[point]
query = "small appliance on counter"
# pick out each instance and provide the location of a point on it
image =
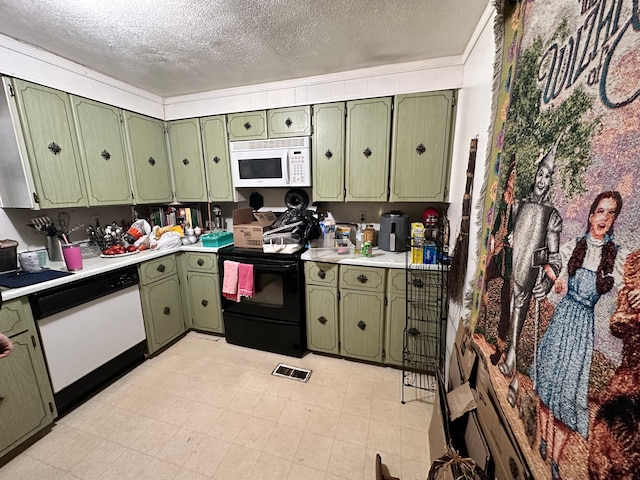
(394, 231)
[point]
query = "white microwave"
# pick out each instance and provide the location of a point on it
(282, 162)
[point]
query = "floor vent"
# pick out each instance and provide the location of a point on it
(295, 373)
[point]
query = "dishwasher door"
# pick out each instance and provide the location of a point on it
(81, 339)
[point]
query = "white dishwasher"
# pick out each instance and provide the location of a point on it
(91, 332)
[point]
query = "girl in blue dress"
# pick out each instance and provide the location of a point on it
(563, 362)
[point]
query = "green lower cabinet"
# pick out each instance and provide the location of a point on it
(162, 308)
(361, 324)
(204, 298)
(26, 401)
(396, 317)
(322, 319)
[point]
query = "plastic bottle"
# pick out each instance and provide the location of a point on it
(359, 238)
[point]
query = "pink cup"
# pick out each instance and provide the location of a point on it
(72, 256)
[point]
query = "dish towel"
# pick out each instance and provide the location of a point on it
(245, 280)
(230, 281)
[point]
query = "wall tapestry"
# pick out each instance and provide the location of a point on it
(556, 300)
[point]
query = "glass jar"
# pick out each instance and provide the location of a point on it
(369, 234)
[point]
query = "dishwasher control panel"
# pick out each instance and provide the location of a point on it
(57, 299)
(125, 279)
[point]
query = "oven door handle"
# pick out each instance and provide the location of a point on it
(276, 268)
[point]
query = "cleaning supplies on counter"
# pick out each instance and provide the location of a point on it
(359, 238)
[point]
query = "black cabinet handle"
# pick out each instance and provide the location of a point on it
(362, 279)
(200, 262)
(161, 268)
(328, 154)
(322, 274)
(54, 148)
(288, 122)
(1, 400)
(204, 302)
(417, 282)
(185, 161)
(167, 310)
(216, 159)
(247, 126)
(106, 155)
(362, 325)
(152, 161)
(367, 152)
(413, 331)
(420, 149)
(322, 320)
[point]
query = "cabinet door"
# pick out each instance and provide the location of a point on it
(328, 152)
(361, 320)
(216, 158)
(204, 291)
(368, 139)
(421, 147)
(50, 139)
(289, 122)
(149, 160)
(103, 152)
(26, 401)
(185, 152)
(162, 308)
(247, 126)
(396, 319)
(322, 319)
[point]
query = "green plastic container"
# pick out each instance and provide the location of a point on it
(217, 239)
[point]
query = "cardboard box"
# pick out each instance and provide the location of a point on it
(248, 227)
(465, 352)
(508, 459)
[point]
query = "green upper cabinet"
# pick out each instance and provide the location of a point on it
(247, 126)
(103, 152)
(216, 158)
(149, 160)
(421, 146)
(328, 152)
(50, 140)
(367, 151)
(289, 122)
(187, 165)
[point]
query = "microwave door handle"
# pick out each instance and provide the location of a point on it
(286, 170)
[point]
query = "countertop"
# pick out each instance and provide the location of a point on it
(379, 258)
(96, 265)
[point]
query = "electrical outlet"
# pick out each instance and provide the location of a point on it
(362, 215)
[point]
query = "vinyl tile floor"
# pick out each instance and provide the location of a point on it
(204, 409)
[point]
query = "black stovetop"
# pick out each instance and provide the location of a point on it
(257, 253)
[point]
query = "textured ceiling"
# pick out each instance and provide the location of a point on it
(171, 47)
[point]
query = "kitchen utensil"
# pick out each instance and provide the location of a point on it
(218, 220)
(394, 231)
(54, 247)
(63, 221)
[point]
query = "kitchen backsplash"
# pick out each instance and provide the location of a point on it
(13, 222)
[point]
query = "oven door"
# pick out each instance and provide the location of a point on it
(278, 290)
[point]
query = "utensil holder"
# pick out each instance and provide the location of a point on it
(54, 247)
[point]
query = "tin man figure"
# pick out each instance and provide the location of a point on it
(536, 246)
